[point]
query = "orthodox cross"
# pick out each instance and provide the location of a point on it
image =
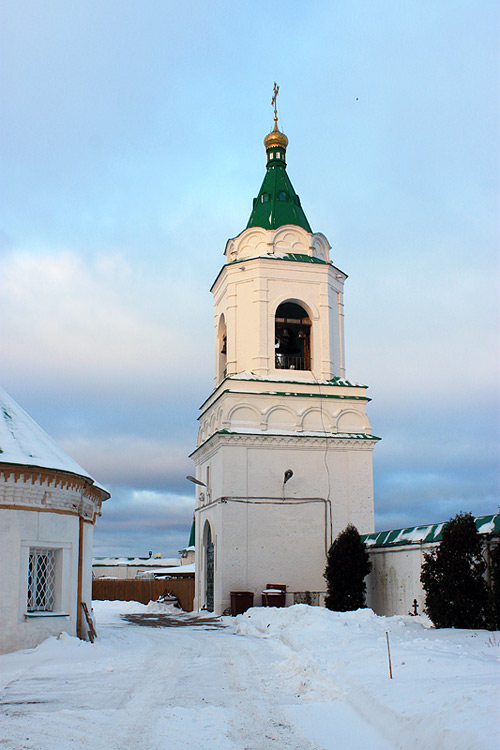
(273, 102)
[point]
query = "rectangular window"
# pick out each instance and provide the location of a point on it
(41, 580)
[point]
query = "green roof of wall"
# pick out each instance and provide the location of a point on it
(426, 534)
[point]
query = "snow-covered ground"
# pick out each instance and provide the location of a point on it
(301, 678)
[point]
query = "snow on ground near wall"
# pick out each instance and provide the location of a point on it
(445, 691)
(301, 678)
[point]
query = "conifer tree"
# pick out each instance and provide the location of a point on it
(347, 566)
(494, 615)
(452, 577)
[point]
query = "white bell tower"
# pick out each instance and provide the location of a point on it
(284, 446)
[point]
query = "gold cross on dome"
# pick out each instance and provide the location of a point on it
(273, 102)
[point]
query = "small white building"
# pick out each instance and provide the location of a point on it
(284, 453)
(48, 508)
(131, 567)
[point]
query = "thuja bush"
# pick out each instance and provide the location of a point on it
(456, 594)
(347, 566)
(494, 615)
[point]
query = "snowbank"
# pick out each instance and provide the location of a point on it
(445, 687)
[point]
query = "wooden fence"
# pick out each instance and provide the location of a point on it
(145, 589)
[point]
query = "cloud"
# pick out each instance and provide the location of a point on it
(136, 521)
(133, 460)
(103, 323)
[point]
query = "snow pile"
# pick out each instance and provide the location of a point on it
(444, 691)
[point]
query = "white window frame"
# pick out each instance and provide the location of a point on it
(41, 580)
(63, 584)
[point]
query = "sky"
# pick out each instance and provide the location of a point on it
(131, 149)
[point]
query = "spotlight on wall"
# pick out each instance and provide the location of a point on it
(196, 481)
(288, 475)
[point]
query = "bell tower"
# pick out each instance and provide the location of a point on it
(284, 452)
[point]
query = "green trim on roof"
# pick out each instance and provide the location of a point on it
(296, 257)
(338, 382)
(333, 435)
(284, 393)
(277, 203)
(426, 534)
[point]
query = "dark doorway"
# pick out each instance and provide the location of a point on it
(209, 594)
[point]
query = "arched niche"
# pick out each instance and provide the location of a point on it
(292, 337)
(244, 416)
(280, 418)
(351, 421)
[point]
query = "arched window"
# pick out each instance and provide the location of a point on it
(222, 349)
(292, 328)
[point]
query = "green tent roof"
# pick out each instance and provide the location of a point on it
(277, 202)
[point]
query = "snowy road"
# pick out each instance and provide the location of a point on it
(160, 688)
(296, 679)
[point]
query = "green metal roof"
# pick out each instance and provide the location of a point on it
(426, 534)
(277, 203)
(297, 257)
(192, 537)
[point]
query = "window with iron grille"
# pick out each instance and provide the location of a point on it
(41, 580)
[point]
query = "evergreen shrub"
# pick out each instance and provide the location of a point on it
(347, 566)
(456, 594)
(494, 618)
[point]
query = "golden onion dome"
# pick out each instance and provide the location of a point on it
(275, 138)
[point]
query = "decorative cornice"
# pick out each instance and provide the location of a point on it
(84, 498)
(358, 441)
(55, 477)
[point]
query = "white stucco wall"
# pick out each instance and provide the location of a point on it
(269, 542)
(394, 581)
(263, 529)
(37, 510)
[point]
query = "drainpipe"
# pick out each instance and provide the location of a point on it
(80, 579)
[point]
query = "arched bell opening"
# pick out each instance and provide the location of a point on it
(292, 330)
(222, 349)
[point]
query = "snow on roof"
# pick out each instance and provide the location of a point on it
(295, 433)
(289, 375)
(178, 569)
(24, 442)
(426, 534)
(155, 562)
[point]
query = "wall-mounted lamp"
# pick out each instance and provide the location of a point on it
(196, 481)
(288, 475)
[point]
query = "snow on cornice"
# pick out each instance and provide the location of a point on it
(248, 375)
